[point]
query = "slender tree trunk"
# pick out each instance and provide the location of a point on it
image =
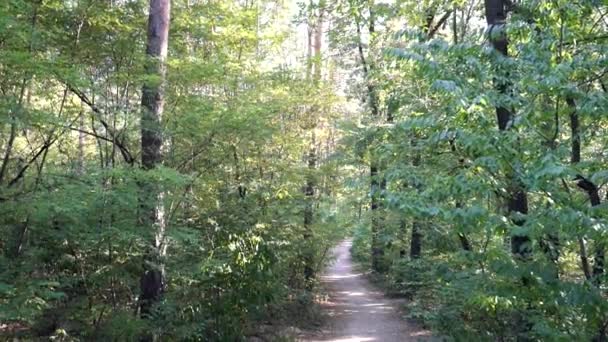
(594, 197)
(582, 245)
(517, 201)
(309, 193)
(416, 243)
(81, 138)
(315, 67)
(376, 183)
(152, 214)
(376, 250)
(318, 43)
(376, 219)
(464, 240)
(598, 261)
(24, 84)
(575, 155)
(575, 158)
(416, 238)
(9, 147)
(309, 54)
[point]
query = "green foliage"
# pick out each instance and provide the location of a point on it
(450, 172)
(240, 121)
(236, 124)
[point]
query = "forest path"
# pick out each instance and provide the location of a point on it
(357, 312)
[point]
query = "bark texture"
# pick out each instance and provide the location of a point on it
(152, 281)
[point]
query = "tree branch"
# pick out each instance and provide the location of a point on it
(441, 21)
(126, 154)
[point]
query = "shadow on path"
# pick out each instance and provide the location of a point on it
(357, 311)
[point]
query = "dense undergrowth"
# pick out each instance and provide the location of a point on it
(153, 156)
(219, 280)
(454, 297)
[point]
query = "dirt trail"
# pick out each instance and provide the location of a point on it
(357, 311)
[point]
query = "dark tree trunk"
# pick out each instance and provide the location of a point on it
(152, 213)
(377, 248)
(598, 261)
(416, 243)
(465, 244)
(575, 156)
(517, 201)
(464, 240)
(416, 238)
(598, 264)
(376, 219)
(309, 192)
(594, 197)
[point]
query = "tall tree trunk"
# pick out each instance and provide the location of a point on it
(376, 219)
(24, 85)
(575, 154)
(376, 183)
(152, 214)
(517, 201)
(464, 240)
(318, 42)
(20, 229)
(309, 62)
(81, 142)
(594, 198)
(309, 193)
(416, 237)
(377, 249)
(575, 158)
(311, 158)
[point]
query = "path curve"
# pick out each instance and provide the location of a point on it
(357, 312)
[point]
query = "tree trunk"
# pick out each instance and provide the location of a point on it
(416, 238)
(594, 197)
(598, 261)
(152, 215)
(517, 201)
(464, 240)
(309, 192)
(81, 142)
(416, 243)
(575, 158)
(311, 158)
(376, 225)
(14, 113)
(377, 248)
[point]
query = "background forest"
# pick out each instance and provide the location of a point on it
(180, 169)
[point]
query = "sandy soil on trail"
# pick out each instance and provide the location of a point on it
(357, 312)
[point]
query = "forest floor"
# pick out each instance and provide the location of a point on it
(358, 312)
